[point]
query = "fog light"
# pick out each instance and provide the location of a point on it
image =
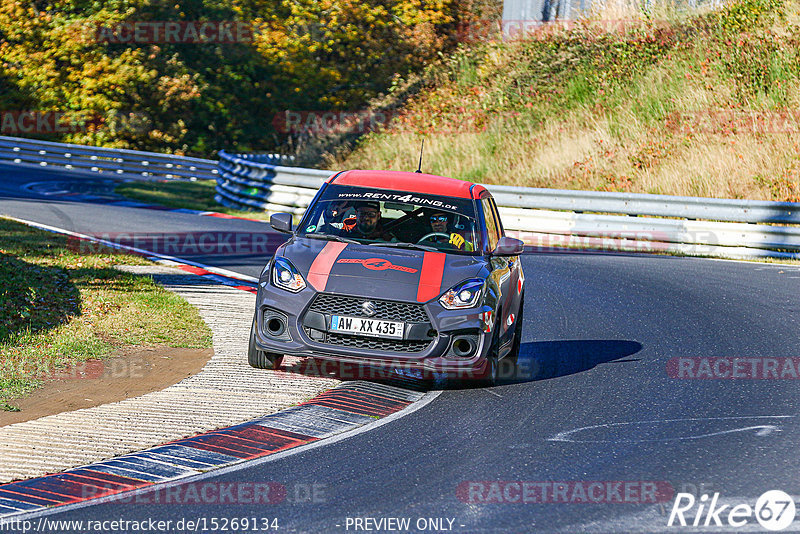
(463, 347)
(275, 325)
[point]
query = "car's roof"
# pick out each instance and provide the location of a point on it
(411, 182)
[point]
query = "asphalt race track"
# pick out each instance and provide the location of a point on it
(94, 215)
(612, 414)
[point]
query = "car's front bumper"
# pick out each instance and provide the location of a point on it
(429, 347)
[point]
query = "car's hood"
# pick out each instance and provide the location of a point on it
(378, 272)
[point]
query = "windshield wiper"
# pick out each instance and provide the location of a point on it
(331, 237)
(414, 246)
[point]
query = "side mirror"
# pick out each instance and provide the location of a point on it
(282, 222)
(508, 246)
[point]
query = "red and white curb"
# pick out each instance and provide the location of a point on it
(348, 407)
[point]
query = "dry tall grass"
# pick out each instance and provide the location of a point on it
(700, 116)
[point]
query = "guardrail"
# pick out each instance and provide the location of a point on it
(105, 161)
(562, 218)
(248, 181)
(541, 217)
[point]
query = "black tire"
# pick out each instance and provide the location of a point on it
(489, 377)
(507, 367)
(513, 356)
(258, 358)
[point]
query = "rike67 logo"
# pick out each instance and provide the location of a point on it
(774, 510)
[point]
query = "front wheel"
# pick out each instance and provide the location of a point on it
(513, 356)
(489, 377)
(258, 358)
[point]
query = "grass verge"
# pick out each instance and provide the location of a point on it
(197, 195)
(59, 307)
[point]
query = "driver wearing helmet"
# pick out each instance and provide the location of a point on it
(441, 233)
(338, 217)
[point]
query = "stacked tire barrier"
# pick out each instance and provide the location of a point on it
(552, 218)
(263, 182)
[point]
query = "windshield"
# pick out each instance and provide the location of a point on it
(393, 218)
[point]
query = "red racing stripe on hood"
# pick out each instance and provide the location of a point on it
(430, 280)
(321, 268)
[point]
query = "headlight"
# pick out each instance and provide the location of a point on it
(286, 276)
(463, 295)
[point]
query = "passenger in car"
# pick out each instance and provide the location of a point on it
(369, 224)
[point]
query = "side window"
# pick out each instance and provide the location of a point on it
(491, 225)
(500, 230)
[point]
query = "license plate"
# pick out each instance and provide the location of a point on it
(367, 327)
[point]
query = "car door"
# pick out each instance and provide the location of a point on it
(500, 270)
(509, 275)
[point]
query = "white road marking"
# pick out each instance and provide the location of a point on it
(762, 430)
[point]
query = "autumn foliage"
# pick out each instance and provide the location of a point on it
(695, 103)
(197, 97)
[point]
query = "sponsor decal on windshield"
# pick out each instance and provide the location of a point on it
(378, 264)
(407, 198)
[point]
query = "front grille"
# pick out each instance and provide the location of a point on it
(371, 343)
(384, 309)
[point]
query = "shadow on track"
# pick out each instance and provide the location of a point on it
(537, 361)
(551, 359)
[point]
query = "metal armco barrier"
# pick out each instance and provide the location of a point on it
(105, 161)
(541, 217)
(260, 182)
(562, 218)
